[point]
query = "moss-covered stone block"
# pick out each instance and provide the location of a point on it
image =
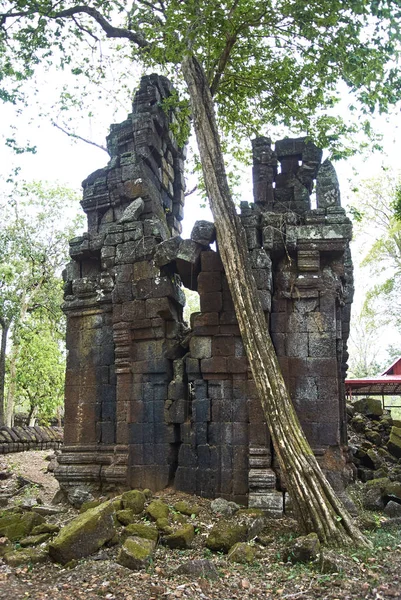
(27, 556)
(371, 407)
(5, 546)
(125, 516)
(394, 443)
(182, 538)
(141, 530)
(157, 510)
(90, 504)
(85, 534)
(187, 509)
(180, 519)
(393, 491)
(15, 526)
(136, 553)
(35, 540)
(225, 534)
(134, 500)
(242, 553)
(304, 549)
(163, 525)
(45, 528)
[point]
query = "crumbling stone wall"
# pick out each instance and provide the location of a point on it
(150, 402)
(21, 438)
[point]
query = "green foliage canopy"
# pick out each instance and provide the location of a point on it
(267, 61)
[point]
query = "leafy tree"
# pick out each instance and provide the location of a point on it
(251, 63)
(33, 249)
(40, 371)
(364, 348)
(378, 232)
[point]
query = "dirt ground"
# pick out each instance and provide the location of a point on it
(372, 574)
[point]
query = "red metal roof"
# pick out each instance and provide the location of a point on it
(387, 383)
(394, 368)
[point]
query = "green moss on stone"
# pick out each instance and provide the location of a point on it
(125, 516)
(187, 509)
(134, 500)
(26, 556)
(242, 552)
(157, 510)
(15, 526)
(35, 540)
(182, 538)
(45, 528)
(136, 553)
(90, 504)
(141, 530)
(163, 525)
(225, 534)
(394, 443)
(85, 534)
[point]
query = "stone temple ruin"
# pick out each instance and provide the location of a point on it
(152, 403)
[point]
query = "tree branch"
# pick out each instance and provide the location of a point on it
(79, 137)
(111, 32)
(108, 28)
(223, 60)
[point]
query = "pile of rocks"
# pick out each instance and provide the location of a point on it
(375, 443)
(135, 522)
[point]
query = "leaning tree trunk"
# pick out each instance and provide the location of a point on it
(3, 348)
(316, 505)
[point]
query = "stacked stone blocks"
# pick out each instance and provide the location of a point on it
(151, 402)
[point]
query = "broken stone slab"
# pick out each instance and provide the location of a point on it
(392, 509)
(44, 510)
(225, 534)
(221, 506)
(45, 528)
(136, 553)
(125, 516)
(35, 540)
(15, 525)
(198, 568)
(141, 530)
(17, 558)
(204, 233)
(332, 562)
(133, 211)
(181, 538)
(85, 534)
(189, 251)
(77, 496)
(166, 252)
(304, 549)
(370, 407)
(327, 186)
(157, 510)
(242, 553)
(394, 443)
(270, 501)
(187, 509)
(134, 500)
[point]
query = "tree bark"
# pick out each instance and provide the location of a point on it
(316, 505)
(12, 386)
(3, 346)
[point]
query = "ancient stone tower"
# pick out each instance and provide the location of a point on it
(150, 402)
